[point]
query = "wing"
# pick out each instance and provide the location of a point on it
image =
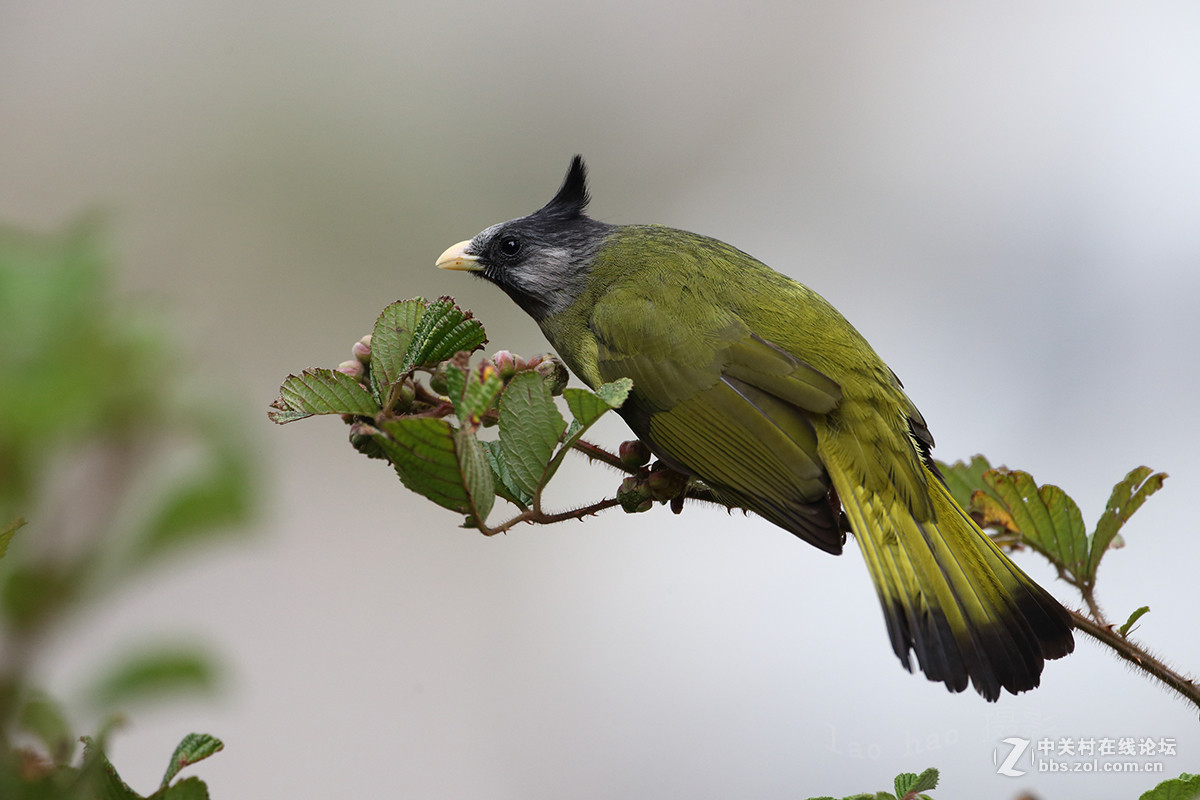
(723, 404)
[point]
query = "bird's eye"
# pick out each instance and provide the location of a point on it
(510, 246)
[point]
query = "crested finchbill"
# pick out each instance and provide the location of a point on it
(754, 384)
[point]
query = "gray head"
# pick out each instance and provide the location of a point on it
(541, 261)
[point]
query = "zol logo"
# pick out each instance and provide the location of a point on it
(1019, 746)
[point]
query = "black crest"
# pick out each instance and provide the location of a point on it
(572, 198)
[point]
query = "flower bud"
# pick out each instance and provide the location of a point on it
(506, 363)
(362, 349)
(352, 368)
(485, 370)
(634, 453)
(555, 373)
(362, 438)
(403, 395)
(634, 495)
(666, 483)
(437, 381)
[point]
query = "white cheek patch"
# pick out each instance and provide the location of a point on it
(551, 276)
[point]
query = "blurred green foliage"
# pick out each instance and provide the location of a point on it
(109, 465)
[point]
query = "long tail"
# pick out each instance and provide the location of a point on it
(951, 596)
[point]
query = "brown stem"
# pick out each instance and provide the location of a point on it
(1138, 657)
(597, 453)
(536, 517)
(1089, 597)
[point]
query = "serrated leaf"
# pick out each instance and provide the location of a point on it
(587, 406)
(1048, 520)
(456, 378)
(476, 394)
(991, 512)
(153, 674)
(440, 462)
(1126, 498)
(194, 747)
(42, 717)
(7, 533)
(505, 485)
(531, 426)
(444, 329)
(1127, 628)
(1185, 787)
(907, 784)
(904, 782)
(476, 475)
(422, 450)
(187, 789)
(391, 340)
(321, 391)
(615, 392)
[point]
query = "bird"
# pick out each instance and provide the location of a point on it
(748, 381)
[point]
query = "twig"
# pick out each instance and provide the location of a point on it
(597, 453)
(1138, 657)
(536, 517)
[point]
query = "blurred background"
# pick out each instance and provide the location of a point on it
(1003, 198)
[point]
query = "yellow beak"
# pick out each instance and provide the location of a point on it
(456, 257)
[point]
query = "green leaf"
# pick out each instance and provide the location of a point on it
(616, 392)
(1185, 787)
(419, 333)
(194, 747)
(476, 475)
(531, 426)
(153, 674)
(1048, 520)
(422, 450)
(210, 500)
(1127, 628)
(441, 462)
(32, 593)
(505, 485)
(1046, 517)
(77, 364)
(7, 532)
(473, 391)
(963, 479)
(1127, 497)
(43, 718)
(321, 391)
(587, 407)
(186, 789)
(391, 340)
(107, 783)
(444, 329)
(909, 785)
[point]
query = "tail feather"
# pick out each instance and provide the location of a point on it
(951, 596)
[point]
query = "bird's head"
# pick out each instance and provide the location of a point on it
(542, 260)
